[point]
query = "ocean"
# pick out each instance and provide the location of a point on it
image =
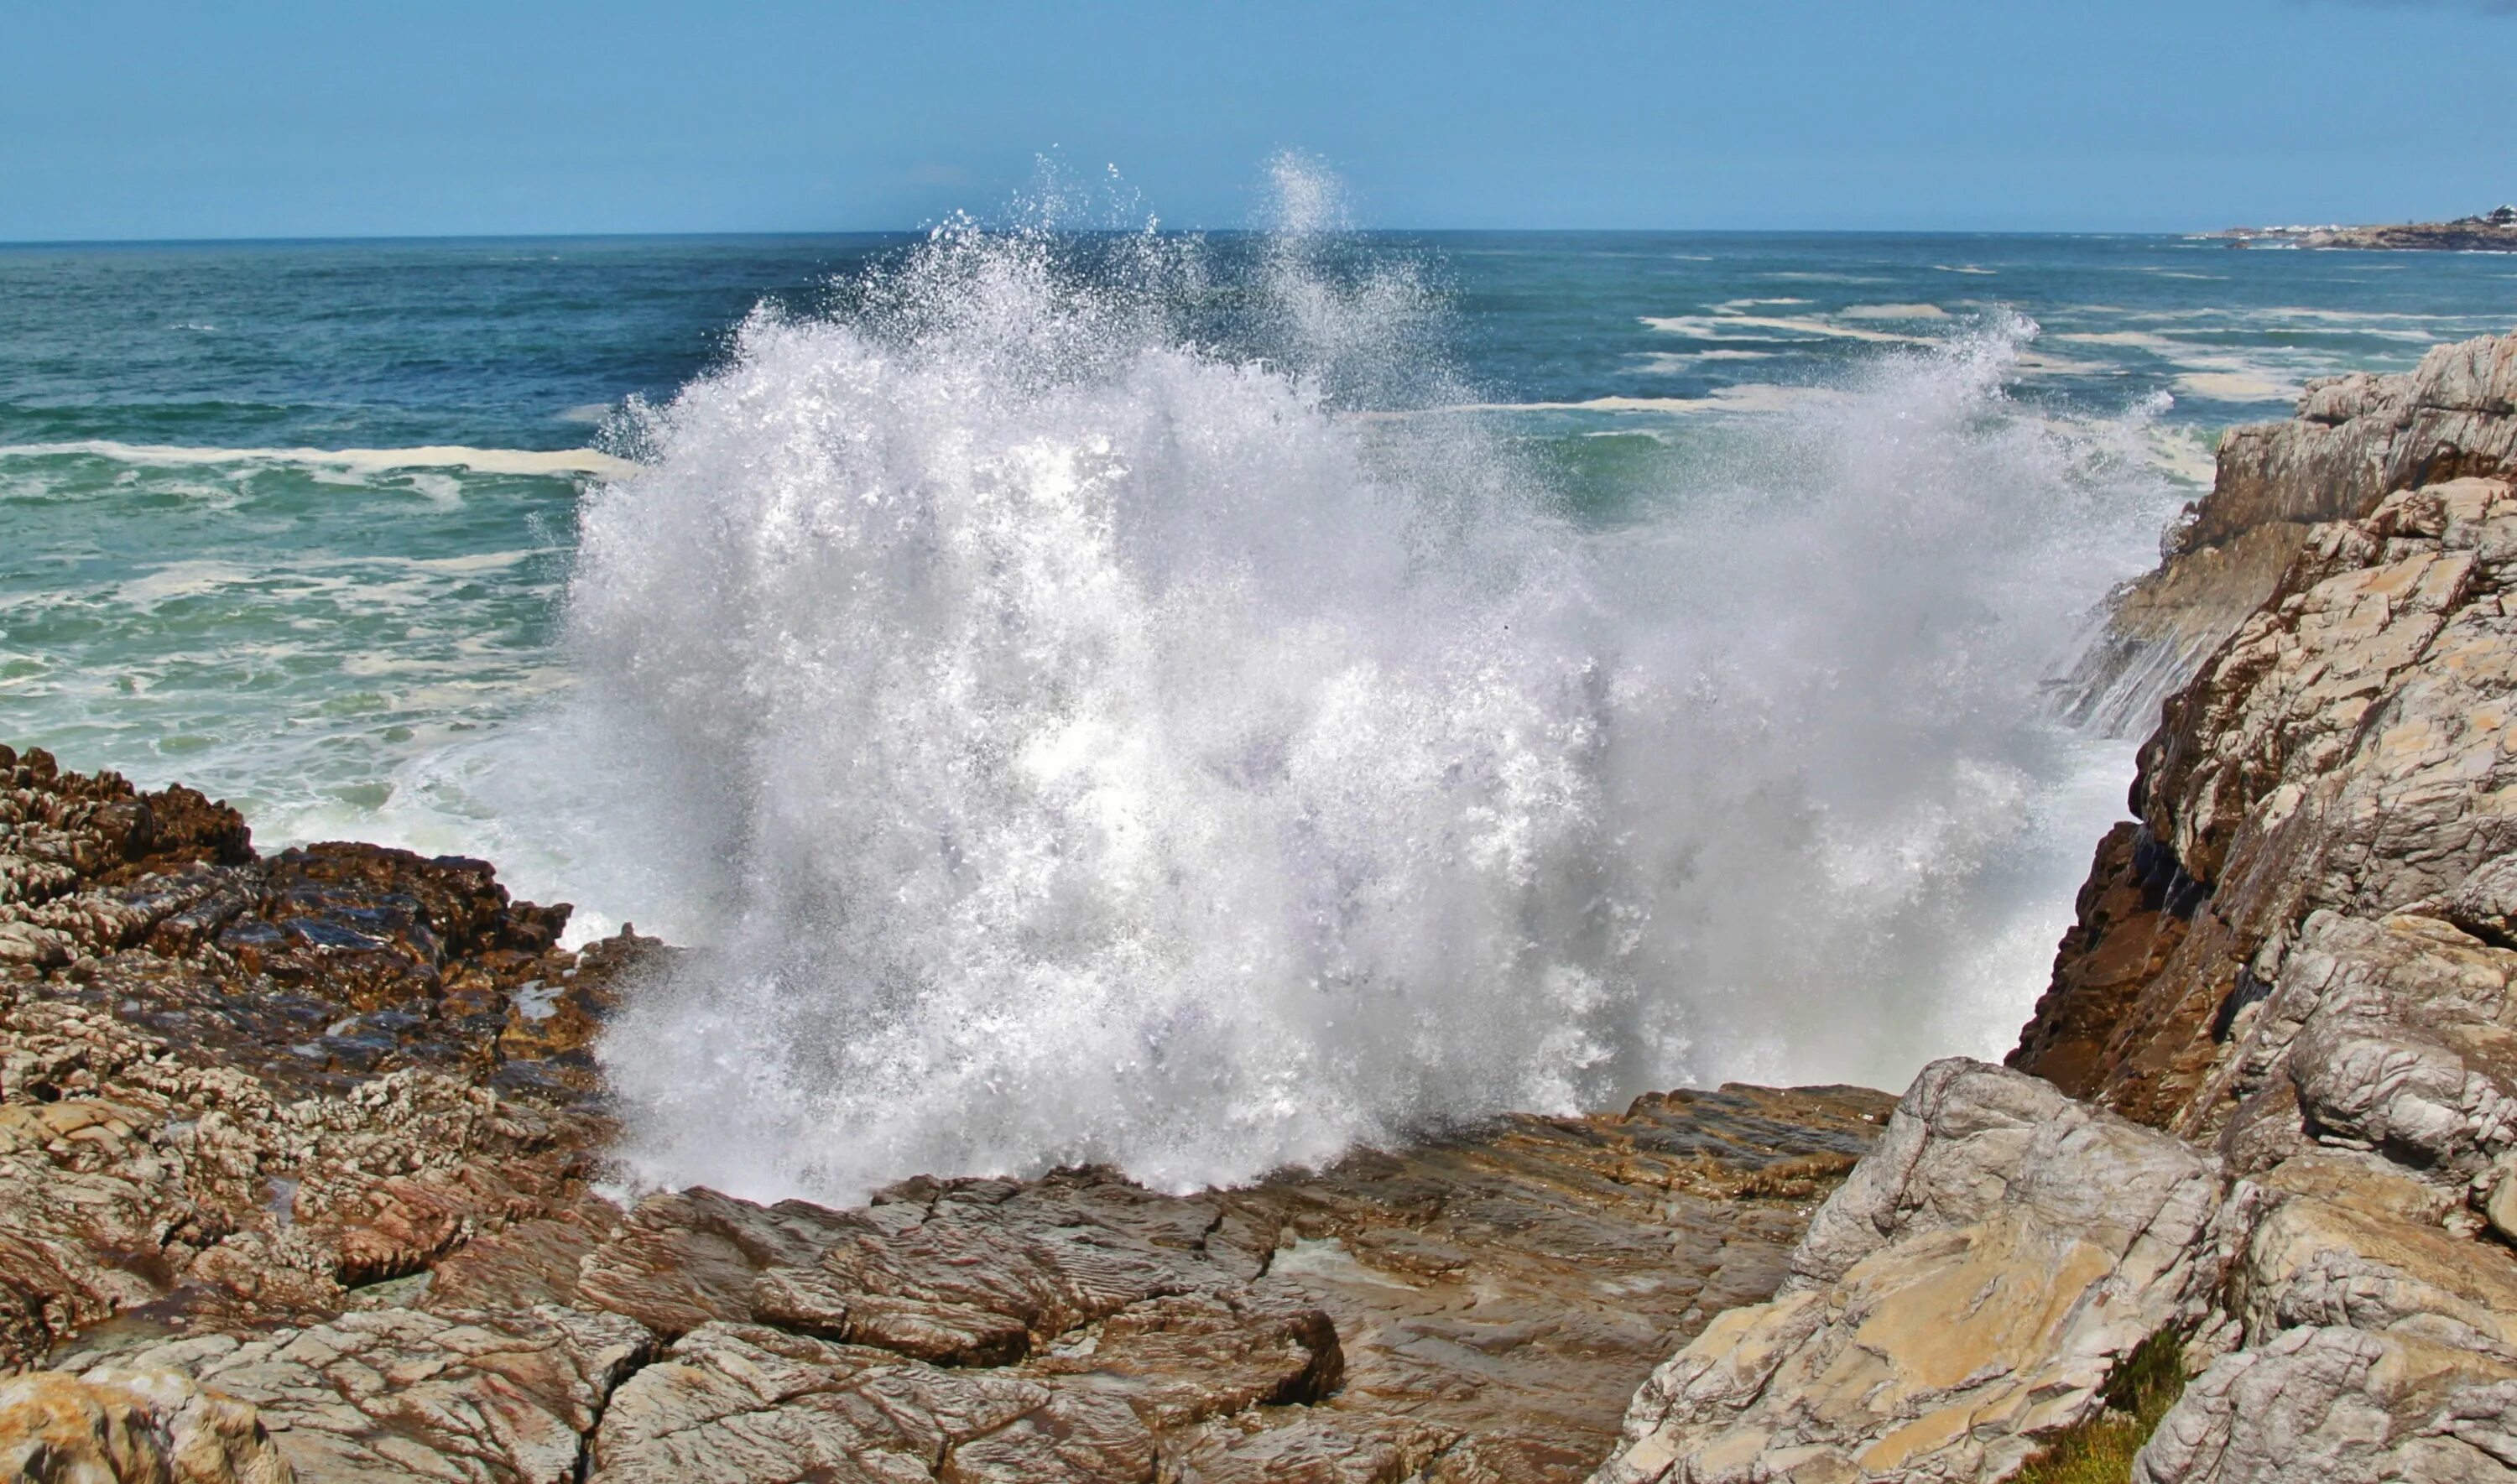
(1190, 702)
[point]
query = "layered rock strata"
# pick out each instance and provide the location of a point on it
(2277, 1121)
(298, 1162)
(1969, 1291)
(2355, 440)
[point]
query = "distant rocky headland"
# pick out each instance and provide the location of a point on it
(302, 1155)
(2494, 231)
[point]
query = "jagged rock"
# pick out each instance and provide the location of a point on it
(2387, 1034)
(2355, 440)
(2380, 1338)
(2336, 1405)
(1967, 1291)
(233, 1089)
(2347, 750)
(2319, 976)
(116, 1425)
(318, 1131)
(2484, 903)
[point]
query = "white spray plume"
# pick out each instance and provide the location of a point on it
(1091, 745)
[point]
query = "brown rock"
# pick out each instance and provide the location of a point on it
(318, 1131)
(399, 1394)
(186, 1140)
(116, 1426)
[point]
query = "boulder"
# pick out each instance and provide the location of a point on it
(121, 1426)
(1968, 1291)
(398, 1394)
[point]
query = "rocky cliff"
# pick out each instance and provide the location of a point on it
(2273, 1115)
(2355, 439)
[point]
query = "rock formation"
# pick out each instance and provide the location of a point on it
(1971, 1288)
(298, 1167)
(300, 1156)
(2355, 440)
(2493, 231)
(2286, 1013)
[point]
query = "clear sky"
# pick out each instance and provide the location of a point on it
(351, 118)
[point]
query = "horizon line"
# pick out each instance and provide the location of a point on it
(1183, 231)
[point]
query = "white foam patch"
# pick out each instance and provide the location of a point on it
(1749, 396)
(1766, 326)
(364, 461)
(2139, 340)
(1892, 312)
(1673, 362)
(180, 580)
(2235, 386)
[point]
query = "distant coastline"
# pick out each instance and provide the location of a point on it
(2491, 231)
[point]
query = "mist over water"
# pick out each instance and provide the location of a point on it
(1084, 736)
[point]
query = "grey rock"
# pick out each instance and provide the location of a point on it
(2335, 1405)
(399, 1394)
(1967, 1292)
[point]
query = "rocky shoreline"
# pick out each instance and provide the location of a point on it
(2494, 231)
(299, 1161)
(2273, 1111)
(301, 1156)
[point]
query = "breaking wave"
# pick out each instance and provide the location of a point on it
(1096, 742)
(523, 461)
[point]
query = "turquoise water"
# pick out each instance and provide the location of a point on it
(186, 591)
(1191, 704)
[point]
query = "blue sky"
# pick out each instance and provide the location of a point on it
(353, 119)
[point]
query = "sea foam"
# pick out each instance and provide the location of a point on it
(1076, 740)
(523, 461)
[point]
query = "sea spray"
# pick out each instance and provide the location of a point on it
(1092, 742)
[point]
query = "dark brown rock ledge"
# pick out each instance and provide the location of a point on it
(298, 1169)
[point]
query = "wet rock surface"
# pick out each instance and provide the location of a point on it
(311, 1143)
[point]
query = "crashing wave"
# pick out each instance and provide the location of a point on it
(1106, 747)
